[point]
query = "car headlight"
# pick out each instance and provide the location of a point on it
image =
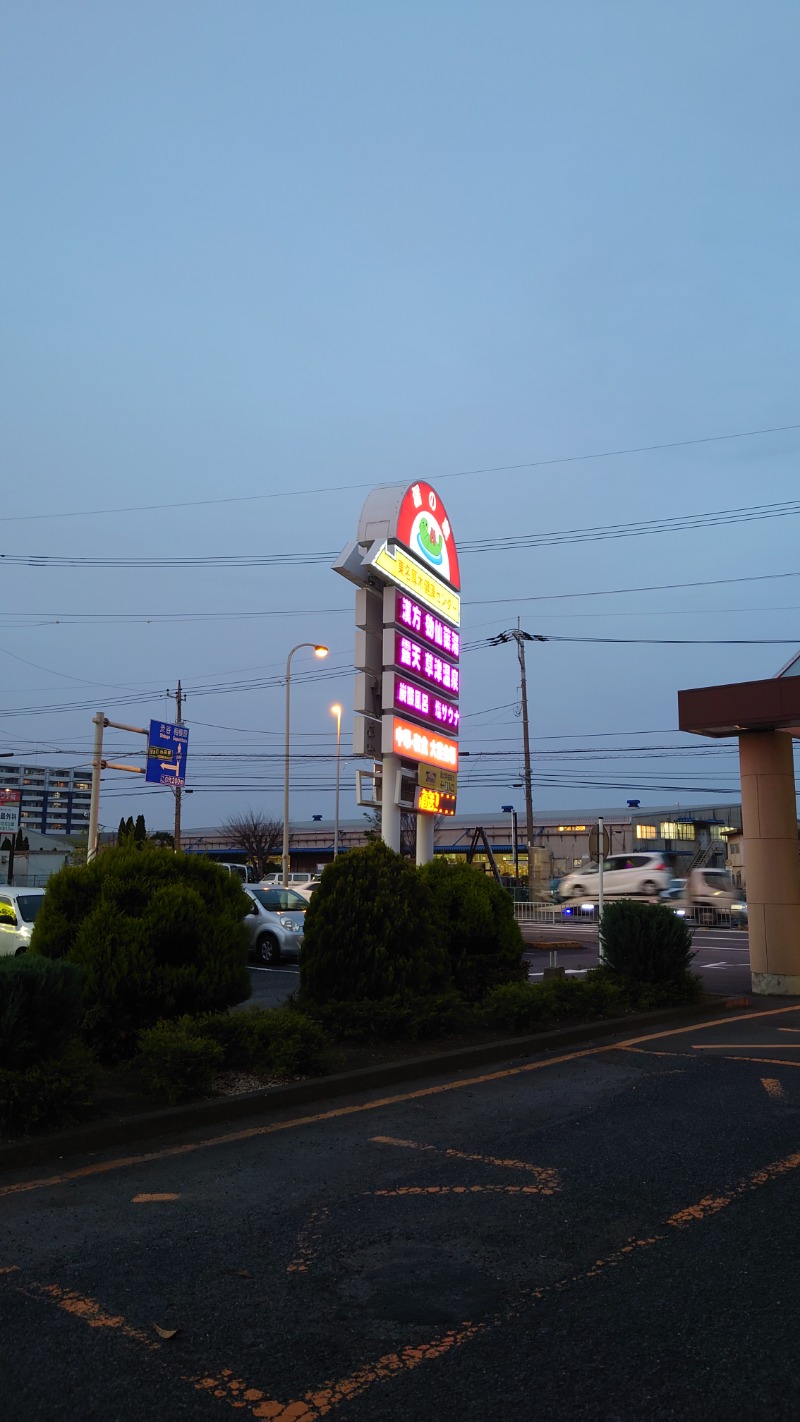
(291, 924)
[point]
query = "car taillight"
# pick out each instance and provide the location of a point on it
(661, 866)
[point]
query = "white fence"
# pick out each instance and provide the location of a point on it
(551, 914)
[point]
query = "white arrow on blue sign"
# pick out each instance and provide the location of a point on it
(167, 745)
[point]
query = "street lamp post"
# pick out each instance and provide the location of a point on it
(509, 810)
(337, 712)
(319, 651)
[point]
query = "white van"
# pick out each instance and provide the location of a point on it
(18, 909)
(239, 871)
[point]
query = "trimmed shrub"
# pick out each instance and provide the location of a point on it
(533, 1007)
(476, 926)
(179, 1059)
(157, 935)
(399, 1018)
(645, 943)
(365, 1020)
(276, 1041)
(57, 1091)
(40, 1009)
(370, 931)
(177, 1063)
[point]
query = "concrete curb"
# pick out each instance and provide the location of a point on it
(124, 1131)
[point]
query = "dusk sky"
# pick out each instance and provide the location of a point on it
(259, 257)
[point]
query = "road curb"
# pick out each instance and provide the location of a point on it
(124, 1131)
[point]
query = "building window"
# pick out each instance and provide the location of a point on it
(677, 829)
(646, 832)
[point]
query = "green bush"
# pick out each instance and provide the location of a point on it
(532, 1007)
(370, 931)
(157, 935)
(179, 1059)
(645, 943)
(476, 927)
(40, 1009)
(57, 1091)
(398, 1018)
(278, 1041)
(176, 1063)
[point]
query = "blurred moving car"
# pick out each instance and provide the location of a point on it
(623, 874)
(274, 922)
(18, 909)
(708, 895)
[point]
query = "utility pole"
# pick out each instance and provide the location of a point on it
(517, 635)
(176, 834)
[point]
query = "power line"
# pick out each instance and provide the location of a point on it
(289, 493)
(506, 544)
(27, 620)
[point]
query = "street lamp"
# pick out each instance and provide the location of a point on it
(509, 810)
(319, 651)
(337, 712)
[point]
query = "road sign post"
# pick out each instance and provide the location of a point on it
(602, 837)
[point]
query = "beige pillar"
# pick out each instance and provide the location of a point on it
(771, 860)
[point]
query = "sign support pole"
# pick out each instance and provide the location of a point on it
(99, 721)
(601, 854)
(390, 811)
(424, 839)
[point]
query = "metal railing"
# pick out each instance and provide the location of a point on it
(554, 913)
(699, 917)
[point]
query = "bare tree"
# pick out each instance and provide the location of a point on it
(408, 829)
(259, 837)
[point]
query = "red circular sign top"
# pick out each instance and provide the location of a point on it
(424, 529)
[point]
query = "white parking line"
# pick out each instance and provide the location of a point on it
(254, 969)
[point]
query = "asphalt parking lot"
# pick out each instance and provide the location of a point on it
(608, 1232)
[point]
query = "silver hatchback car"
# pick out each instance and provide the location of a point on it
(275, 922)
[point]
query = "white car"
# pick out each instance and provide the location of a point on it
(297, 880)
(623, 874)
(18, 909)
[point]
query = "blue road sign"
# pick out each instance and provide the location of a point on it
(167, 745)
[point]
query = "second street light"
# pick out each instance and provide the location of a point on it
(319, 651)
(337, 712)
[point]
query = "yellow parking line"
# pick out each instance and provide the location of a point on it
(104, 1167)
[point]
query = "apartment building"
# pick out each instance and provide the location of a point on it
(54, 801)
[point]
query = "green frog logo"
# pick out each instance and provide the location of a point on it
(428, 541)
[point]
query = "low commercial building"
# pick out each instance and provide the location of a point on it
(682, 834)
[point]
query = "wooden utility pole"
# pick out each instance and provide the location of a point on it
(517, 635)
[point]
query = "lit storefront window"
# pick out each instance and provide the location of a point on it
(677, 829)
(646, 832)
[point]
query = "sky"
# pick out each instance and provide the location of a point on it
(257, 258)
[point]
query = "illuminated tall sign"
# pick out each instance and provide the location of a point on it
(404, 563)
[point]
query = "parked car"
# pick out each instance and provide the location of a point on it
(307, 889)
(238, 871)
(275, 922)
(623, 874)
(297, 879)
(18, 909)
